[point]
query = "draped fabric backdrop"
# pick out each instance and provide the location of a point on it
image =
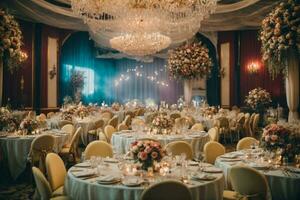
(102, 76)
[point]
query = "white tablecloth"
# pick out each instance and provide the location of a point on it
(79, 189)
(121, 140)
(282, 187)
(15, 150)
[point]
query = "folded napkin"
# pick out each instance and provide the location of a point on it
(83, 165)
(212, 170)
(230, 159)
(108, 178)
(229, 156)
(82, 174)
(293, 169)
(132, 181)
(110, 160)
(202, 176)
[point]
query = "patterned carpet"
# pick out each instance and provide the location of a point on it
(23, 189)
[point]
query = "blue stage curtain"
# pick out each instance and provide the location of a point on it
(78, 54)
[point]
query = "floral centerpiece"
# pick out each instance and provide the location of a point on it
(147, 152)
(29, 125)
(190, 61)
(257, 99)
(68, 113)
(81, 111)
(10, 41)
(115, 106)
(7, 121)
(77, 83)
(209, 111)
(279, 35)
(278, 137)
(161, 124)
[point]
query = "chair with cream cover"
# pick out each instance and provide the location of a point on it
(56, 172)
(107, 115)
(122, 127)
(212, 150)
(69, 129)
(238, 128)
(130, 113)
(61, 123)
(246, 127)
(98, 148)
(114, 121)
(31, 114)
(224, 130)
(255, 125)
(249, 183)
(251, 122)
(197, 127)
(175, 115)
(167, 190)
(179, 147)
(43, 187)
(108, 131)
(213, 134)
(71, 151)
(50, 114)
(127, 120)
(43, 117)
(97, 128)
(39, 148)
(246, 143)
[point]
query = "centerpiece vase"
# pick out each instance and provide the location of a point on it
(292, 85)
(188, 91)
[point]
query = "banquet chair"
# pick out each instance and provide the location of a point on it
(140, 112)
(71, 151)
(197, 127)
(248, 183)
(114, 121)
(61, 123)
(122, 127)
(39, 148)
(98, 148)
(96, 130)
(31, 114)
(108, 131)
(179, 147)
(191, 120)
(251, 123)
(167, 190)
(69, 129)
(107, 115)
(131, 113)
(138, 122)
(212, 150)
(246, 126)
(175, 115)
(50, 114)
(127, 120)
(43, 117)
(182, 121)
(224, 129)
(43, 187)
(246, 143)
(255, 124)
(213, 134)
(238, 128)
(56, 172)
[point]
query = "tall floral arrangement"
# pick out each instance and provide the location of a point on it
(29, 125)
(7, 121)
(280, 33)
(10, 41)
(161, 124)
(77, 82)
(146, 152)
(258, 99)
(190, 61)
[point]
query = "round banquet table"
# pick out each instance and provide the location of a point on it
(283, 184)
(122, 140)
(15, 149)
(79, 188)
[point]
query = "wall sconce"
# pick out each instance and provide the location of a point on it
(253, 68)
(52, 72)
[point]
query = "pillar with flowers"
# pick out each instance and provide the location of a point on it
(280, 37)
(189, 62)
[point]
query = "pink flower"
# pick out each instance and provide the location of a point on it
(143, 155)
(148, 149)
(154, 154)
(274, 137)
(267, 138)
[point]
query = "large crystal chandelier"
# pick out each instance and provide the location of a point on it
(143, 27)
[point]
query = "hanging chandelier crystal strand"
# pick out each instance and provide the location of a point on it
(142, 24)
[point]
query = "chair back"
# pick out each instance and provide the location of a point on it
(42, 185)
(39, 148)
(99, 124)
(114, 121)
(68, 128)
(246, 143)
(108, 131)
(247, 115)
(31, 114)
(251, 119)
(249, 183)
(122, 127)
(130, 113)
(127, 120)
(56, 171)
(137, 121)
(214, 134)
(167, 190)
(50, 114)
(107, 115)
(191, 120)
(175, 115)
(98, 148)
(197, 127)
(255, 123)
(74, 142)
(179, 147)
(43, 117)
(61, 123)
(212, 150)
(182, 121)
(246, 126)
(223, 122)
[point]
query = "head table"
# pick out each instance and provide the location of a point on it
(122, 140)
(109, 181)
(284, 181)
(15, 149)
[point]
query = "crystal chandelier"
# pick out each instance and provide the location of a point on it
(143, 24)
